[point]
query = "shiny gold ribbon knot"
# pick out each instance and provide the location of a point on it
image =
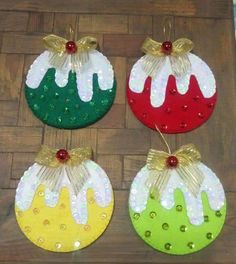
(155, 56)
(48, 156)
(59, 55)
(53, 170)
(188, 157)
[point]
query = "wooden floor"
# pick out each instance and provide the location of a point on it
(120, 143)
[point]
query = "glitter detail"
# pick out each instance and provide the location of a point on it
(168, 246)
(165, 226)
(191, 245)
(147, 233)
(183, 228)
(63, 227)
(77, 244)
(153, 214)
(58, 245)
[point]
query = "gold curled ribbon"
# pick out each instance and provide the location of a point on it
(47, 156)
(188, 158)
(154, 58)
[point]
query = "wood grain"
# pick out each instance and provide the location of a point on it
(119, 141)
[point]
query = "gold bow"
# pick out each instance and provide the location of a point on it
(52, 172)
(188, 158)
(58, 55)
(47, 156)
(154, 58)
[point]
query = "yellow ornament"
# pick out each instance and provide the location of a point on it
(55, 212)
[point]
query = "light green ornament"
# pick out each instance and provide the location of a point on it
(173, 214)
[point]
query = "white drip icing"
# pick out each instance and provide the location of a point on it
(97, 63)
(199, 69)
(98, 182)
(211, 185)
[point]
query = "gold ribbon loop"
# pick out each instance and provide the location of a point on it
(188, 158)
(47, 156)
(153, 60)
(86, 44)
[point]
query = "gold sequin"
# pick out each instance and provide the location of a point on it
(58, 245)
(77, 244)
(40, 193)
(179, 208)
(19, 213)
(27, 229)
(191, 245)
(63, 227)
(40, 240)
(91, 200)
(87, 227)
(136, 216)
(183, 228)
(165, 226)
(148, 233)
(209, 235)
(62, 206)
(46, 222)
(153, 214)
(168, 246)
(36, 211)
(103, 216)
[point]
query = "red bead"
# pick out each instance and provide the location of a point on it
(71, 47)
(183, 125)
(172, 162)
(164, 127)
(166, 47)
(184, 107)
(168, 110)
(173, 91)
(211, 105)
(196, 98)
(62, 155)
(200, 115)
(144, 115)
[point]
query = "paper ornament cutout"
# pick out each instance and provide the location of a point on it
(70, 85)
(64, 201)
(177, 204)
(170, 87)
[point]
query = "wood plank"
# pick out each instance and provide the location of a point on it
(16, 139)
(40, 22)
(57, 138)
(62, 23)
(20, 163)
(123, 141)
(129, 248)
(132, 164)
(22, 43)
(11, 76)
(13, 21)
(123, 45)
(103, 23)
(119, 66)
(140, 25)
(5, 165)
(112, 164)
(9, 112)
(210, 8)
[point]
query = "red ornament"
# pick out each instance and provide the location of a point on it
(166, 47)
(71, 47)
(172, 162)
(62, 155)
(179, 113)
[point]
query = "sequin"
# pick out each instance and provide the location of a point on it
(148, 233)
(209, 235)
(206, 218)
(19, 214)
(165, 226)
(40, 193)
(62, 226)
(191, 245)
(77, 244)
(58, 245)
(87, 228)
(218, 214)
(168, 246)
(46, 222)
(136, 216)
(27, 229)
(183, 228)
(36, 210)
(179, 208)
(152, 214)
(40, 240)
(103, 216)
